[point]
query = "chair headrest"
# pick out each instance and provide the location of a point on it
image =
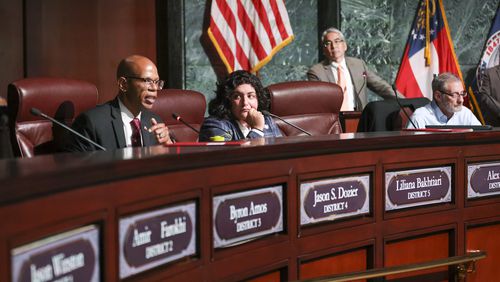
(61, 98)
(188, 104)
(305, 97)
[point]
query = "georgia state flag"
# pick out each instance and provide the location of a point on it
(429, 51)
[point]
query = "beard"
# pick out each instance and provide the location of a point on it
(452, 108)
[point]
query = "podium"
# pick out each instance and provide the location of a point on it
(273, 209)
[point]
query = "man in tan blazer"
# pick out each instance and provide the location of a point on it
(357, 76)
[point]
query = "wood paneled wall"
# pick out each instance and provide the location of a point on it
(76, 39)
(11, 44)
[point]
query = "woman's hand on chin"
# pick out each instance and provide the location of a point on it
(255, 119)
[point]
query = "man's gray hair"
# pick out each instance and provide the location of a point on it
(330, 30)
(440, 80)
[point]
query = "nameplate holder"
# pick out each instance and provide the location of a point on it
(244, 216)
(68, 256)
(154, 238)
(483, 180)
(417, 187)
(334, 198)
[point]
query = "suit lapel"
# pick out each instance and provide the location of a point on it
(328, 70)
(117, 123)
(353, 73)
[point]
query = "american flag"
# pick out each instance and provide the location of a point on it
(429, 51)
(247, 33)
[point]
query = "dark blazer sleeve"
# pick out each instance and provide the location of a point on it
(229, 131)
(217, 127)
(102, 125)
(83, 125)
(489, 96)
(272, 129)
(148, 137)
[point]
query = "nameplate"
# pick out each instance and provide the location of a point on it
(334, 198)
(483, 180)
(155, 238)
(68, 256)
(244, 216)
(418, 187)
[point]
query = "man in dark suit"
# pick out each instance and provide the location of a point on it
(126, 120)
(489, 98)
(354, 77)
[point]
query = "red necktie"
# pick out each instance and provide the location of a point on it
(136, 132)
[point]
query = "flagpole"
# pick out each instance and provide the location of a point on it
(427, 35)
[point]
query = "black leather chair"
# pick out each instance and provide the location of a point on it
(387, 115)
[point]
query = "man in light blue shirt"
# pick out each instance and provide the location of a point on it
(446, 107)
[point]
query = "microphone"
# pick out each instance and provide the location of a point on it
(362, 86)
(179, 118)
(37, 112)
(266, 113)
(401, 106)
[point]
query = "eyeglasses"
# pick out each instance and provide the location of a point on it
(455, 94)
(159, 83)
(328, 43)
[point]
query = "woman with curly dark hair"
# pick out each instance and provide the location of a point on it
(235, 112)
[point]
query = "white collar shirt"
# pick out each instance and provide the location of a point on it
(431, 114)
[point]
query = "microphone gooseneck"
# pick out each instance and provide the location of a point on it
(266, 113)
(361, 88)
(37, 112)
(180, 119)
(401, 106)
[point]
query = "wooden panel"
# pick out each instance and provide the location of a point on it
(102, 186)
(273, 276)
(417, 250)
(350, 121)
(480, 238)
(336, 264)
(87, 39)
(11, 36)
(351, 125)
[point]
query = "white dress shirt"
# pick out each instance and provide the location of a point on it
(431, 114)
